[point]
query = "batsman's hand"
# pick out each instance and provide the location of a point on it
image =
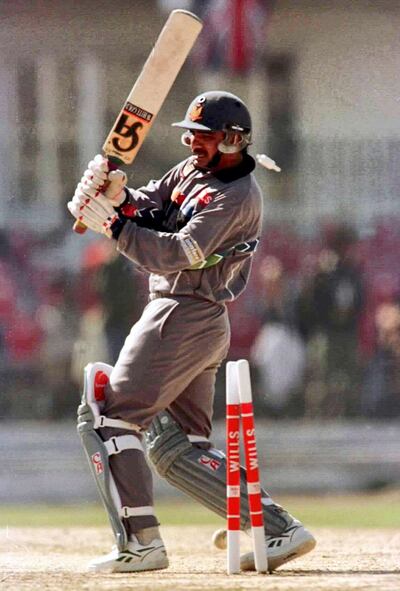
(93, 209)
(99, 177)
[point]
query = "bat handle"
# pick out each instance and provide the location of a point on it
(79, 227)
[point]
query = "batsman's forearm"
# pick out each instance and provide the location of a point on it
(158, 252)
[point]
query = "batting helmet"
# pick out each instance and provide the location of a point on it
(219, 111)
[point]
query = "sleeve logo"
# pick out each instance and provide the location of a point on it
(192, 250)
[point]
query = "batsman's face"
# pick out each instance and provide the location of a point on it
(204, 146)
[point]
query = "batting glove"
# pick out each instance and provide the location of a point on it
(99, 177)
(93, 209)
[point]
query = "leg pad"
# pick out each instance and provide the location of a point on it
(90, 422)
(201, 473)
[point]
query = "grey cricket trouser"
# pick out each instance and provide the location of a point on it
(169, 360)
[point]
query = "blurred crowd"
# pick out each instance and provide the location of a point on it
(319, 323)
(60, 308)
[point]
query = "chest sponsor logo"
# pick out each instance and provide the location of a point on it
(204, 199)
(211, 463)
(178, 197)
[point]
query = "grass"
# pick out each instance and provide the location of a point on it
(357, 510)
(363, 510)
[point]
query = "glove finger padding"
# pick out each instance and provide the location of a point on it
(90, 220)
(86, 190)
(99, 176)
(97, 193)
(96, 173)
(99, 164)
(101, 206)
(95, 178)
(97, 203)
(96, 212)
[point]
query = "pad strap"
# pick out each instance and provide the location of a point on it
(136, 511)
(102, 421)
(115, 445)
(197, 439)
(201, 473)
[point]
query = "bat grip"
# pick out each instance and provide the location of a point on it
(79, 227)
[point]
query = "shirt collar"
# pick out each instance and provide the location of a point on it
(246, 166)
(226, 175)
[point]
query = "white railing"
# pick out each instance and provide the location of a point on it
(48, 464)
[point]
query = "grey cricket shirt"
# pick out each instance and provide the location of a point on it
(226, 210)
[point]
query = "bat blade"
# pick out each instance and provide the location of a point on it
(150, 89)
(153, 85)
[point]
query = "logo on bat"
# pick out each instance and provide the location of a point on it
(126, 136)
(127, 132)
(138, 111)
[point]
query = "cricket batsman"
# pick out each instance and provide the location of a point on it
(194, 231)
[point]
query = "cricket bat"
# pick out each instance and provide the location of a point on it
(150, 90)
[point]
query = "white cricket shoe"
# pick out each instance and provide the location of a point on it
(134, 558)
(295, 541)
